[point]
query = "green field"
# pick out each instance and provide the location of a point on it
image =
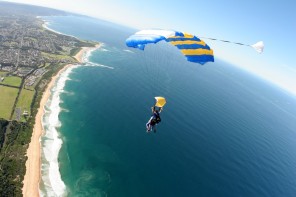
(7, 99)
(12, 80)
(24, 101)
(47, 64)
(55, 56)
(2, 73)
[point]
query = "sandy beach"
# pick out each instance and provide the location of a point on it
(79, 56)
(33, 163)
(32, 176)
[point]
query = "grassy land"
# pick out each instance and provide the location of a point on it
(55, 56)
(74, 51)
(2, 73)
(47, 64)
(14, 142)
(7, 99)
(12, 80)
(25, 100)
(44, 65)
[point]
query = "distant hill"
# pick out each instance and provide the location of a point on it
(8, 8)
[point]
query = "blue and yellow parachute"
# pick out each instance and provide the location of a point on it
(193, 48)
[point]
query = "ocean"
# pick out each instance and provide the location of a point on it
(224, 131)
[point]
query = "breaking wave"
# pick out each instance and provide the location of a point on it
(51, 182)
(51, 142)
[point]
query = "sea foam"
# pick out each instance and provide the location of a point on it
(52, 184)
(86, 58)
(51, 143)
(98, 65)
(129, 51)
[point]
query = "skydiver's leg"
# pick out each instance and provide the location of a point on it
(148, 126)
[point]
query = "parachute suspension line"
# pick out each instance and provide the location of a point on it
(156, 71)
(157, 61)
(259, 46)
(159, 65)
(148, 69)
(149, 61)
(167, 56)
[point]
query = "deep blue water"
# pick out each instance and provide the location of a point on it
(224, 132)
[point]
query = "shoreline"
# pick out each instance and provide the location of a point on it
(79, 56)
(85, 50)
(32, 176)
(33, 164)
(44, 25)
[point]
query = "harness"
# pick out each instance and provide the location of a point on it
(156, 119)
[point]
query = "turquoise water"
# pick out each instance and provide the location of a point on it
(224, 132)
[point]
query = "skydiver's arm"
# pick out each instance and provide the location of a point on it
(153, 109)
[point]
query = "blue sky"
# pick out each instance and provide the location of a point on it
(273, 22)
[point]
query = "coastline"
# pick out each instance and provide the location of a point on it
(33, 163)
(44, 25)
(32, 176)
(80, 54)
(85, 50)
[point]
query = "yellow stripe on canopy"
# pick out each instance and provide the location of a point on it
(197, 51)
(188, 42)
(187, 35)
(160, 101)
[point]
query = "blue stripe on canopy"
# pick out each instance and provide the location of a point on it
(202, 59)
(181, 39)
(192, 46)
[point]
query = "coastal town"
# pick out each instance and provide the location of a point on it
(28, 50)
(31, 56)
(24, 43)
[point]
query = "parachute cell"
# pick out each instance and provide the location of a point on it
(194, 49)
(160, 101)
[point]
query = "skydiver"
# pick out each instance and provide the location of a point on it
(154, 120)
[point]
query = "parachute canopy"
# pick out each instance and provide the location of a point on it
(193, 48)
(160, 101)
